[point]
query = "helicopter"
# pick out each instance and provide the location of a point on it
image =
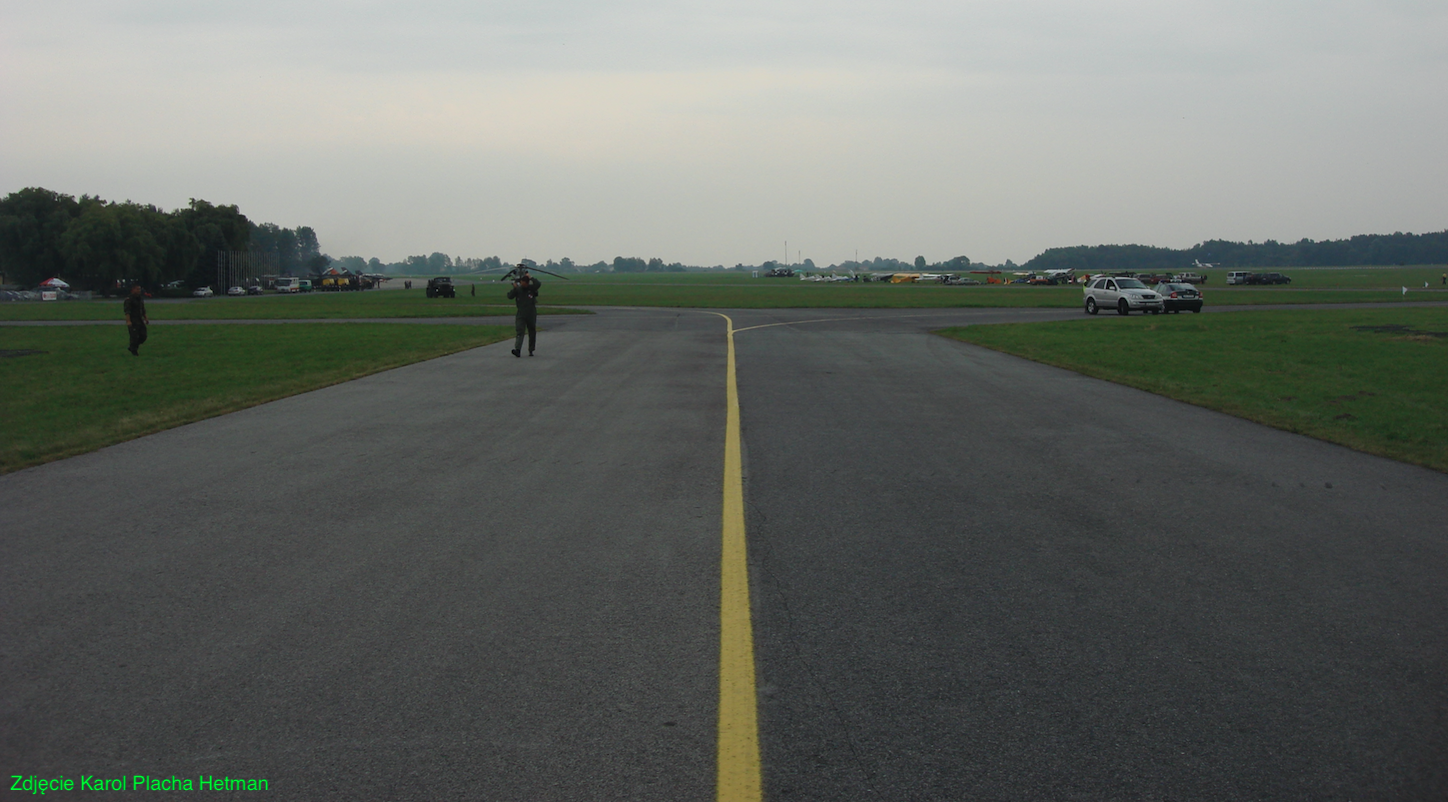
(515, 273)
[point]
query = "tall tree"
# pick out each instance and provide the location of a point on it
(307, 248)
(108, 243)
(31, 224)
(217, 229)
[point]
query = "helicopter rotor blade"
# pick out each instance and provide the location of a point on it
(513, 271)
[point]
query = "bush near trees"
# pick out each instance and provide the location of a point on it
(93, 243)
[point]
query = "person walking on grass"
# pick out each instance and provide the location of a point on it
(136, 319)
(525, 295)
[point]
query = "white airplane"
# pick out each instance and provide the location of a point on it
(1201, 265)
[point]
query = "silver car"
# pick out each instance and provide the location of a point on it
(1122, 294)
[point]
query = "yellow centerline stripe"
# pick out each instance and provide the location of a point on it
(739, 770)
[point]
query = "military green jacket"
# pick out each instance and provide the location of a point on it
(136, 310)
(526, 297)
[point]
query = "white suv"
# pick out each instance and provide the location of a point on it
(1122, 294)
(1238, 277)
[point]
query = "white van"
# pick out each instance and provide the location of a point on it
(1237, 277)
(289, 284)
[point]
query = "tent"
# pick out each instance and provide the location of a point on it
(55, 283)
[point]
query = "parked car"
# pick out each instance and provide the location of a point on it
(1189, 278)
(202, 292)
(1238, 277)
(1176, 296)
(1121, 294)
(1268, 278)
(254, 289)
(235, 291)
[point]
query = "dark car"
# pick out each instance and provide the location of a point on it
(1272, 278)
(441, 287)
(1176, 296)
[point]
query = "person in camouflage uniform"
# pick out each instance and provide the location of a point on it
(525, 295)
(136, 319)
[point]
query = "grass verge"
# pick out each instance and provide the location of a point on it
(86, 392)
(712, 291)
(316, 306)
(743, 292)
(1314, 372)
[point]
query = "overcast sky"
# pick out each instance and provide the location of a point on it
(711, 132)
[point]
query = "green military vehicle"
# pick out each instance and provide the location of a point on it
(441, 287)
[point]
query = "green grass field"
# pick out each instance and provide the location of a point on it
(317, 306)
(743, 292)
(87, 391)
(723, 290)
(1384, 392)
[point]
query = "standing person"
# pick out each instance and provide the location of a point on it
(136, 319)
(525, 295)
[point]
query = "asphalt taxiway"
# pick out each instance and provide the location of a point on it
(973, 576)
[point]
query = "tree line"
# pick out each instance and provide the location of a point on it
(1365, 249)
(438, 263)
(95, 244)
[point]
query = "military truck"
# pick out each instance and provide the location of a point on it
(440, 287)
